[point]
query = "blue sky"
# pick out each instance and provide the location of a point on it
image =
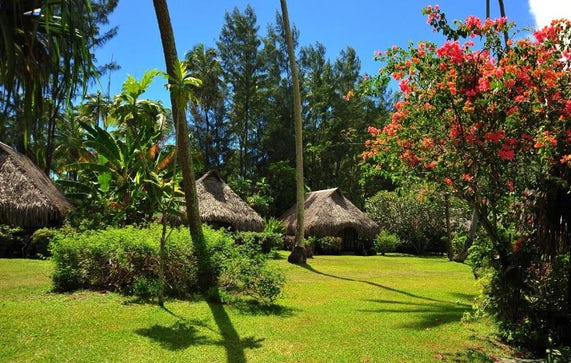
(366, 25)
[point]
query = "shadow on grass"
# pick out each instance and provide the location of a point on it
(231, 341)
(186, 332)
(402, 292)
(432, 312)
(180, 335)
(252, 307)
(428, 315)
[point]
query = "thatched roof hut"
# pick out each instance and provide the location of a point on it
(220, 206)
(28, 198)
(328, 213)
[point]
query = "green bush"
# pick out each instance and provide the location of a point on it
(385, 242)
(260, 241)
(328, 245)
(115, 259)
(245, 275)
(240, 269)
(273, 225)
(417, 218)
(40, 241)
(13, 241)
(127, 260)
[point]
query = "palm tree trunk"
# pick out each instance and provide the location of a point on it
(298, 253)
(183, 148)
(503, 15)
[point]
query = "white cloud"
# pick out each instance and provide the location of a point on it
(543, 11)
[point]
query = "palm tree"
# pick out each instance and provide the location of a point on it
(298, 253)
(179, 97)
(45, 60)
(502, 14)
(206, 109)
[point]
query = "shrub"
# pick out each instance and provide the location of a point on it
(117, 259)
(240, 268)
(385, 242)
(259, 241)
(13, 241)
(273, 225)
(245, 275)
(40, 241)
(417, 218)
(127, 260)
(328, 245)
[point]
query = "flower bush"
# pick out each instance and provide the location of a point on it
(490, 120)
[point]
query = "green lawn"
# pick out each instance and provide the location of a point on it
(335, 309)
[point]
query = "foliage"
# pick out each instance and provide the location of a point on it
(274, 225)
(418, 219)
(123, 260)
(46, 60)
(123, 175)
(40, 240)
(238, 48)
(530, 299)
(255, 193)
(493, 127)
(265, 242)
(385, 242)
(13, 241)
(126, 260)
(240, 268)
(327, 245)
(244, 273)
(207, 109)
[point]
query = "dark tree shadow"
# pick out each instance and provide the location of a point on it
(180, 335)
(231, 340)
(186, 332)
(427, 315)
(252, 307)
(431, 312)
(402, 292)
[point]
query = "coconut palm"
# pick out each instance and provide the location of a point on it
(298, 253)
(208, 106)
(45, 60)
(179, 84)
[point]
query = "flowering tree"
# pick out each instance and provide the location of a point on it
(491, 123)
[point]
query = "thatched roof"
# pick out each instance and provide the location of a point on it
(328, 213)
(219, 204)
(28, 198)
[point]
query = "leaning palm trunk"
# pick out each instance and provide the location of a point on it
(185, 161)
(298, 253)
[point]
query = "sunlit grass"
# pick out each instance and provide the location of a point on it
(335, 309)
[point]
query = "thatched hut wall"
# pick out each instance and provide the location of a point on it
(28, 198)
(328, 213)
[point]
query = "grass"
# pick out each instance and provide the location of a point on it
(335, 309)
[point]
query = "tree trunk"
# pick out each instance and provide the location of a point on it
(162, 262)
(503, 15)
(448, 227)
(183, 148)
(474, 224)
(298, 253)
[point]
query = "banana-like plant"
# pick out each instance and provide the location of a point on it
(126, 172)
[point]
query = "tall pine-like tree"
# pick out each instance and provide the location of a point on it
(238, 47)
